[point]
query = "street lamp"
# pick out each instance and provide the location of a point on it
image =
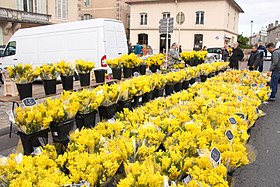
(251, 32)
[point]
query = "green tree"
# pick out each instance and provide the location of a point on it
(243, 41)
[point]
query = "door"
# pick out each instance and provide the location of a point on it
(162, 43)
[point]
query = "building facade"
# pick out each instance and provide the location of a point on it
(16, 14)
(261, 36)
(113, 9)
(273, 32)
(199, 23)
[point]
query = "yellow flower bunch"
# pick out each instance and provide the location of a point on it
(141, 85)
(142, 174)
(159, 79)
(156, 60)
(187, 56)
(83, 66)
(89, 100)
(187, 124)
(200, 55)
(27, 171)
(66, 68)
(220, 65)
(23, 73)
(63, 108)
(130, 61)
(114, 63)
(30, 120)
(206, 69)
(179, 66)
(48, 71)
(174, 77)
(110, 92)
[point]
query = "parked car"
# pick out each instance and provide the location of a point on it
(214, 53)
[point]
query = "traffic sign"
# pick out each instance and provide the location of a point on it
(166, 25)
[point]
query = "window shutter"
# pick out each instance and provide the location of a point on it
(64, 9)
(39, 6)
(19, 4)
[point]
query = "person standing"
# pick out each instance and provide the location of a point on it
(263, 53)
(275, 69)
(129, 46)
(254, 59)
(138, 50)
(174, 55)
(237, 55)
(180, 49)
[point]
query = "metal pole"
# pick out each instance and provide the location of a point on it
(251, 32)
(166, 48)
(179, 38)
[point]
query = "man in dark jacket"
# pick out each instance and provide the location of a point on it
(275, 69)
(263, 53)
(254, 59)
(237, 55)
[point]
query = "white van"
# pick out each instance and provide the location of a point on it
(94, 40)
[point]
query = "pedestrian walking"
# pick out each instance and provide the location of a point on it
(254, 59)
(263, 52)
(237, 55)
(174, 55)
(275, 69)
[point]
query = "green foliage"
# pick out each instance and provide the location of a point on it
(243, 42)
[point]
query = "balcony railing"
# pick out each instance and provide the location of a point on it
(23, 17)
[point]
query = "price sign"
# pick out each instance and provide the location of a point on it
(215, 155)
(136, 74)
(241, 115)
(29, 102)
(187, 179)
(232, 120)
(229, 135)
(239, 98)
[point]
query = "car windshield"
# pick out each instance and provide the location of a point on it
(214, 50)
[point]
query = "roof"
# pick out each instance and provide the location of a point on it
(151, 1)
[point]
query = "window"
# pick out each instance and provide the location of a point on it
(165, 15)
(61, 9)
(86, 16)
(25, 5)
(11, 49)
(86, 2)
(143, 18)
(199, 18)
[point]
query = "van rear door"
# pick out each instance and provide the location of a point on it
(115, 39)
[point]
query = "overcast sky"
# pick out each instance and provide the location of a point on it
(262, 12)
